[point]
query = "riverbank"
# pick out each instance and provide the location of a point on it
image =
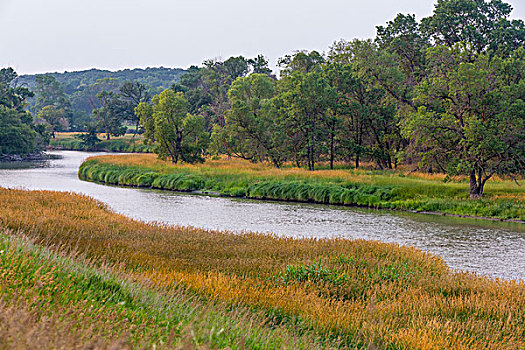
(339, 292)
(60, 301)
(122, 144)
(12, 158)
(503, 199)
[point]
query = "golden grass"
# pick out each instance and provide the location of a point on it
(395, 297)
(244, 167)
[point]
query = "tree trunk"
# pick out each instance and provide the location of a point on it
(332, 151)
(476, 186)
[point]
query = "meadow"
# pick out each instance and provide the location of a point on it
(126, 143)
(503, 199)
(101, 278)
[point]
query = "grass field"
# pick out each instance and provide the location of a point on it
(102, 277)
(503, 199)
(126, 143)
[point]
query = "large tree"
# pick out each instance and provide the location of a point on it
(306, 102)
(128, 97)
(471, 118)
(376, 94)
(109, 116)
(483, 24)
(49, 92)
(18, 134)
(251, 131)
(177, 134)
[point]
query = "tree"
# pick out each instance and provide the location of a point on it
(379, 92)
(55, 119)
(301, 61)
(18, 134)
(108, 116)
(250, 125)
(129, 96)
(85, 100)
(49, 92)
(471, 116)
(259, 65)
(90, 137)
(483, 24)
(12, 95)
(350, 109)
(403, 38)
(177, 134)
(305, 101)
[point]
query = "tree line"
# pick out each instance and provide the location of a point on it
(446, 92)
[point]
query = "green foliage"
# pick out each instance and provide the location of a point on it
(89, 141)
(17, 137)
(305, 101)
(176, 133)
(79, 89)
(250, 130)
(471, 118)
(482, 24)
(18, 134)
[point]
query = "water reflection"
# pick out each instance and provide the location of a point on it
(491, 248)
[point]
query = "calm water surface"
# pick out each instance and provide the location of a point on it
(494, 249)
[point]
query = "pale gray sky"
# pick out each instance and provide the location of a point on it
(40, 36)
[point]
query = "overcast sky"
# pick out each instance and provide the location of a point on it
(40, 36)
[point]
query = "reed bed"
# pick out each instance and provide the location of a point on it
(352, 293)
(503, 199)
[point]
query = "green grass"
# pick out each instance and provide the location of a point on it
(503, 199)
(123, 144)
(94, 304)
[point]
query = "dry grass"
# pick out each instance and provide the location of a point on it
(358, 291)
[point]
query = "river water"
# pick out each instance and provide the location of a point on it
(490, 248)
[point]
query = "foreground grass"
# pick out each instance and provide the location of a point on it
(125, 143)
(53, 301)
(351, 293)
(394, 190)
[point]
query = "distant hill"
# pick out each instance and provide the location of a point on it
(157, 78)
(81, 87)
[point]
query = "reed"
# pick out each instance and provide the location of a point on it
(503, 199)
(351, 292)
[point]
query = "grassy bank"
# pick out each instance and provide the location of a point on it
(503, 199)
(339, 292)
(59, 302)
(125, 144)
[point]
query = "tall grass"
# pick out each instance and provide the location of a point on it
(355, 292)
(53, 301)
(388, 190)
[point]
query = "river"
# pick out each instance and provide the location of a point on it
(490, 248)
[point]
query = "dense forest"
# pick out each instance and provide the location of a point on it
(446, 93)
